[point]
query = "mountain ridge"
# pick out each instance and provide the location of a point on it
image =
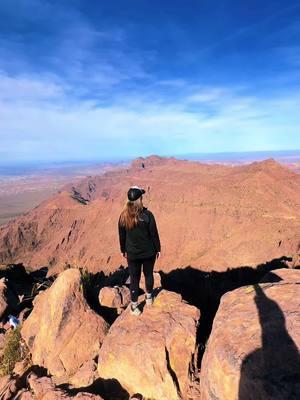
(209, 216)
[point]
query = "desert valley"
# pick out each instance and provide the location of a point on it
(211, 217)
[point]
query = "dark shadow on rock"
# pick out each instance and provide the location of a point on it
(93, 283)
(22, 286)
(37, 370)
(109, 389)
(271, 277)
(39, 275)
(272, 372)
(20, 382)
(205, 289)
(137, 396)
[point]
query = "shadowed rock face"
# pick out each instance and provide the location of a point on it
(3, 297)
(282, 274)
(9, 300)
(228, 216)
(62, 332)
(152, 354)
(273, 371)
(253, 349)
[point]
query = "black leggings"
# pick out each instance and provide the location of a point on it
(135, 268)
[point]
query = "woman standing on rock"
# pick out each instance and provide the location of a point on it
(139, 243)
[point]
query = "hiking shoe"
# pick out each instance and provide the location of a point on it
(134, 310)
(149, 299)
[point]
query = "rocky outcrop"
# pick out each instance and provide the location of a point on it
(114, 297)
(253, 349)
(44, 389)
(152, 354)
(41, 388)
(62, 332)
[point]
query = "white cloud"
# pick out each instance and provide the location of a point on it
(208, 95)
(40, 117)
(23, 88)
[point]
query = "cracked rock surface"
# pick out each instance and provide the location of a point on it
(62, 332)
(152, 354)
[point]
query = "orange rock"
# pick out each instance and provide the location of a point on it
(44, 389)
(114, 297)
(85, 376)
(31, 387)
(62, 332)
(8, 387)
(152, 354)
(253, 349)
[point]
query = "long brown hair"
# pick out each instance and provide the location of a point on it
(130, 215)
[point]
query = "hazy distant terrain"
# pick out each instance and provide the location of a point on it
(24, 187)
(291, 158)
(210, 217)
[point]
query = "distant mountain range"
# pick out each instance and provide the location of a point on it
(209, 217)
(283, 156)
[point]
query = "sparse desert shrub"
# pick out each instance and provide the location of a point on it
(15, 350)
(86, 276)
(11, 353)
(38, 286)
(87, 279)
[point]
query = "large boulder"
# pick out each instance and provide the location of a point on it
(253, 349)
(153, 353)
(62, 332)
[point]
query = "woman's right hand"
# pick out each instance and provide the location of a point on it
(157, 255)
(124, 255)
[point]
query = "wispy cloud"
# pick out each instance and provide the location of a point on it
(25, 89)
(86, 90)
(43, 116)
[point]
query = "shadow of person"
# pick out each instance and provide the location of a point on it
(204, 290)
(273, 371)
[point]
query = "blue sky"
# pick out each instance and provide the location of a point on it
(89, 79)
